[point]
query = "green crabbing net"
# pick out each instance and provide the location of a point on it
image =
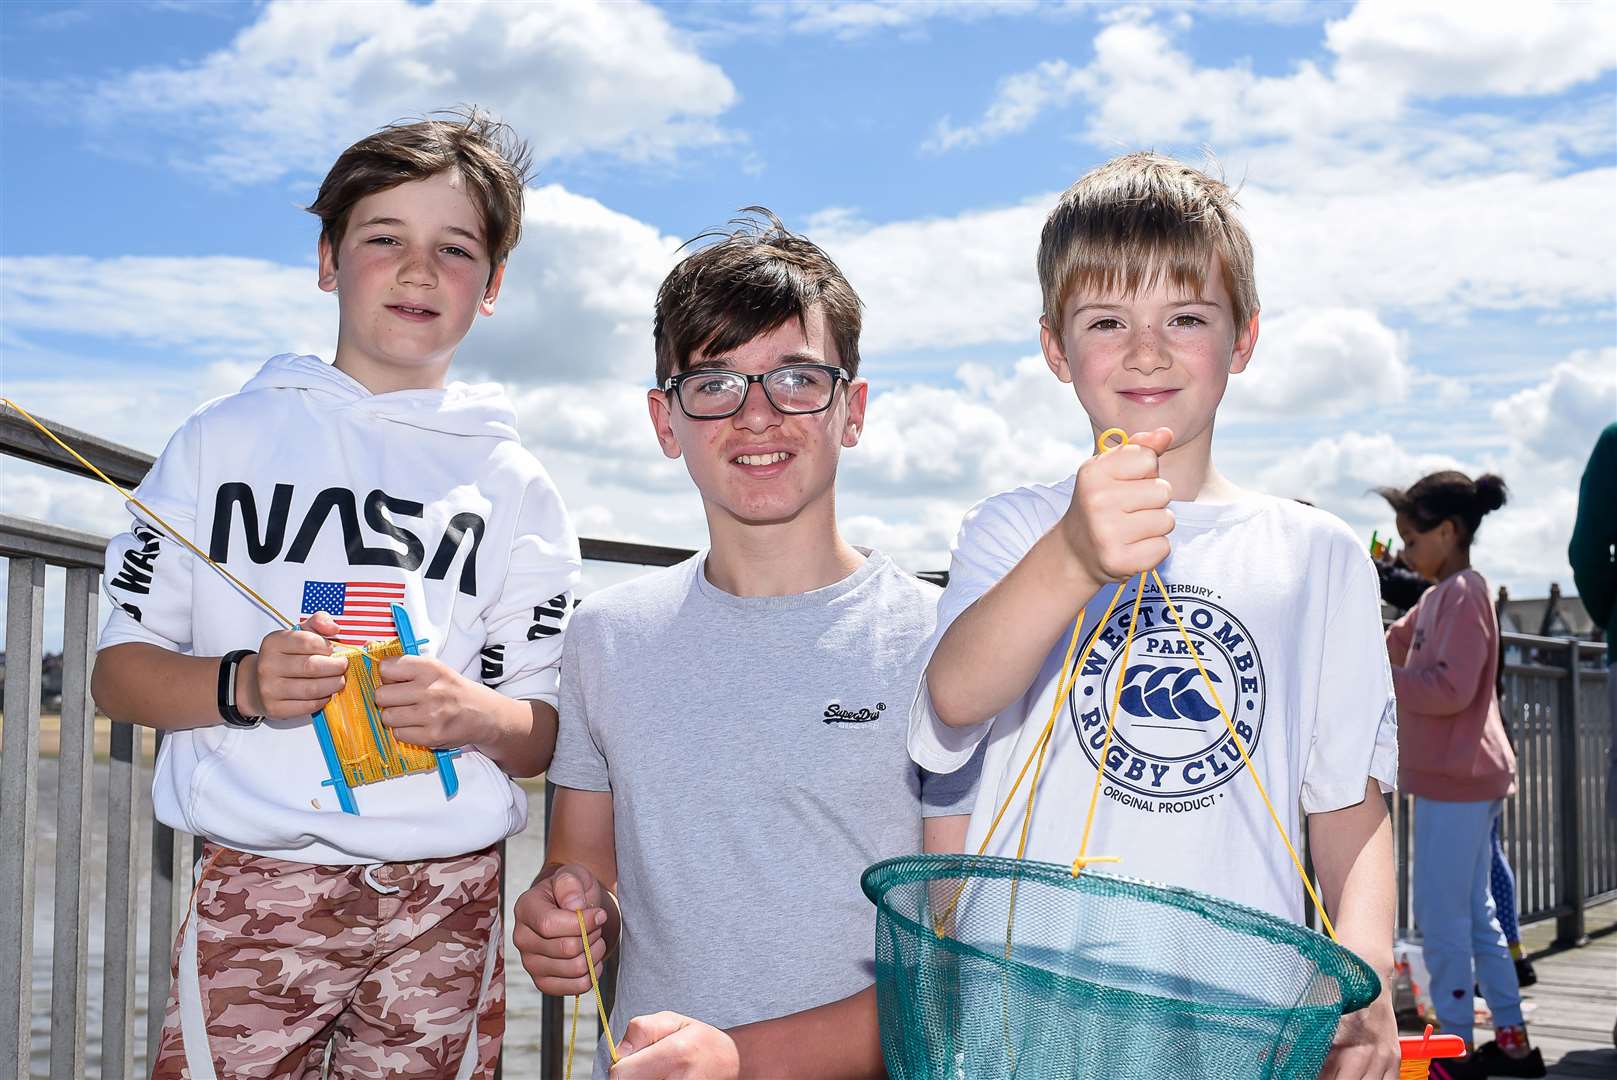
(1105, 978)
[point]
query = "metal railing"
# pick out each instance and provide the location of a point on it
(1561, 843)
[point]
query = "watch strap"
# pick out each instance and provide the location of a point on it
(228, 711)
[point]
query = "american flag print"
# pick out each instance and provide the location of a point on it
(362, 608)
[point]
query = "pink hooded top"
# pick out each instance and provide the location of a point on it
(1445, 657)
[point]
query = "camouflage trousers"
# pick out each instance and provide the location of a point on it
(284, 969)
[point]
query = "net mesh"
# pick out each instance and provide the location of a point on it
(1038, 974)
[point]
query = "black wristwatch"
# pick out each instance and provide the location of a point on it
(228, 712)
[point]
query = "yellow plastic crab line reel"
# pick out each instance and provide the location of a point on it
(359, 749)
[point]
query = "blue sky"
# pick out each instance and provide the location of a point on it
(1432, 191)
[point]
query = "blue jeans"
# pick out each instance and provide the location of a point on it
(1454, 910)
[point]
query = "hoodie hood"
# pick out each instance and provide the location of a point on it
(480, 409)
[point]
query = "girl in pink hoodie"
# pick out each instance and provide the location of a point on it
(1455, 759)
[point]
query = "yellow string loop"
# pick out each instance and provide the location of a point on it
(1084, 859)
(1319, 906)
(572, 1036)
(600, 1006)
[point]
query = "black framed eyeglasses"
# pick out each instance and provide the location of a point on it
(793, 390)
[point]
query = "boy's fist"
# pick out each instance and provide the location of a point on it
(428, 703)
(1118, 523)
(547, 935)
(294, 673)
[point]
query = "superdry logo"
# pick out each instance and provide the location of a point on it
(836, 714)
(1170, 741)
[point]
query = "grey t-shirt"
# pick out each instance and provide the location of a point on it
(754, 748)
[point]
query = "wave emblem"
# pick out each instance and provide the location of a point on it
(1148, 693)
(1170, 740)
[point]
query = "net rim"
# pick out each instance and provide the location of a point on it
(1332, 959)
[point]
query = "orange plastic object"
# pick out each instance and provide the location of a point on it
(1418, 1051)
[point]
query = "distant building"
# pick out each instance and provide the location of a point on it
(1554, 615)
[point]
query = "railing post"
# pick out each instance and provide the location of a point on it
(19, 796)
(551, 1048)
(1569, 928)
(74, 798)
(170, 889)
(126, 805)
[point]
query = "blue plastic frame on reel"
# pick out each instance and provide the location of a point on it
(328, 747)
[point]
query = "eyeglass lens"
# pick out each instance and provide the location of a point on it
(789, 389)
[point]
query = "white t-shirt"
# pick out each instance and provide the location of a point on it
(1281, 602)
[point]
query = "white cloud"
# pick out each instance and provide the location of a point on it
(856, 18)
(577, 304)
(1018, 101)
(305, 80)
(139, 407)
(1451, 393)
(1550, 428)
(1140, 88)
(918, 544)
(1559, 418)
(579, 295)
(1435, 249)
(1438, 248)
(1433, 48)
(212, 305)
(1522, 546)
(939, 442)
(1340, 473)
(947, 281)
(1321, 362)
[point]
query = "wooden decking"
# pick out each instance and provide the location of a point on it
(1572, 1009)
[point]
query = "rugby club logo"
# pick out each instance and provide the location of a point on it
(1169, 741)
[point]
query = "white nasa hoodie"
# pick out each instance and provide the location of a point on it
(323, 496)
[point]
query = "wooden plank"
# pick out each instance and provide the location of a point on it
(1571, 1011)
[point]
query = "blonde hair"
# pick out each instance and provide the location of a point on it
(1128, 223)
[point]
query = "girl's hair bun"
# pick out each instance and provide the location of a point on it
(1490, 493)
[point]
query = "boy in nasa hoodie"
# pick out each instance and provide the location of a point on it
(333, 490)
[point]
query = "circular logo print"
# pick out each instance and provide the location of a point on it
(1170, 740)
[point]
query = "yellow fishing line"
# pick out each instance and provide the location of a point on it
(1296, 862)
(600, 1006)
(156, 519)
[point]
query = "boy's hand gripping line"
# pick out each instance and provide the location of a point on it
(1110, 440)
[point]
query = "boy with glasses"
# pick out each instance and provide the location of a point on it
(731, 754)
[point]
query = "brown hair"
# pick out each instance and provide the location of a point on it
(487, 155)
(749, 282)
(1126, 224)
(1448, 496)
